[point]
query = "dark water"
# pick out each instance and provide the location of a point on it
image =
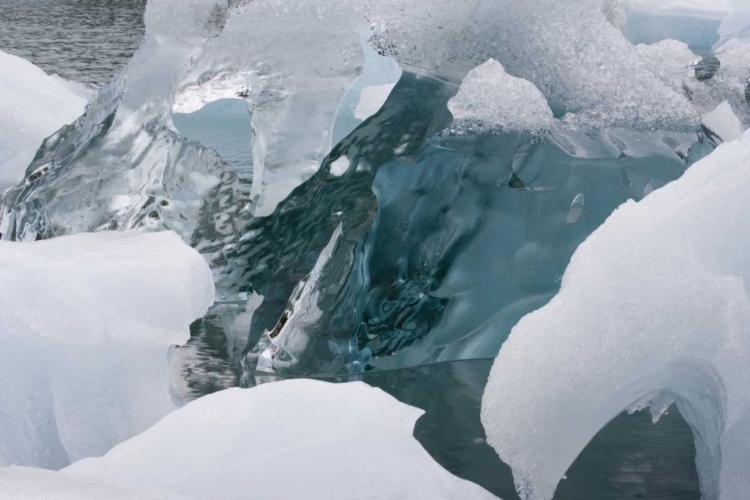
(631, 458)
(83, 40)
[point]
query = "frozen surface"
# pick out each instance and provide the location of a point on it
(87, 324)
(285, 440)
(492, 100)
(33, 105)
(24, 483)
(653, 308)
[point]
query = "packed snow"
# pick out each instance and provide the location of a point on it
(654, 308)
(86, 326)
(490, 99)
(25, 483)
(33, 105)
(293, 439)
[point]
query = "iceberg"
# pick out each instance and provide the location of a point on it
(653, 310)
(88, 322)
(491, 99)
(33, 106)
(284, 440)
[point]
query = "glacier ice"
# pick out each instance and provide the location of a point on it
(653, 309)
(33, 106)
(284, 440)
(491, 99)
(389, 179)
(87, 324)
(25, 483)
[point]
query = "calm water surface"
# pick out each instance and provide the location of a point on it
(83, 40)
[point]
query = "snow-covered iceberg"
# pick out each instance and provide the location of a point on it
(86, 325)
(293, 439)
(653, 309)
(33, 106)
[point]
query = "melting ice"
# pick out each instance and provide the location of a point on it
(416, 179)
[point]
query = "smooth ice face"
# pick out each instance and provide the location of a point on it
(86, 325)
(33, 106)
(24, 483)
(492, 100)
(285, 440)
(653, 308)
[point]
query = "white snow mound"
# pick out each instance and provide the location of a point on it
(293, 439)
(86, 325)
(653, 308)
(24, 483)
(33, 106)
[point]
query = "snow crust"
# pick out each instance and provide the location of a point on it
(33, 105)
(654, 308)
(25, 483)
(293, 439)
(86, 325)
(490, 99)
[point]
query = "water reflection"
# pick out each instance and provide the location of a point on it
(630, 458)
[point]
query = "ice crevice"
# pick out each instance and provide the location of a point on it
(653, 305)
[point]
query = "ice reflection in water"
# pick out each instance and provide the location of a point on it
(630, 458)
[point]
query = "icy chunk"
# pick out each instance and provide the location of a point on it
(24, 483)
(279, 431)
(33, 105)
(722, 122)
(86, 325)
(569, 50)
(654, 305)
(576, 209)
(492, 100)
(670, 60)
